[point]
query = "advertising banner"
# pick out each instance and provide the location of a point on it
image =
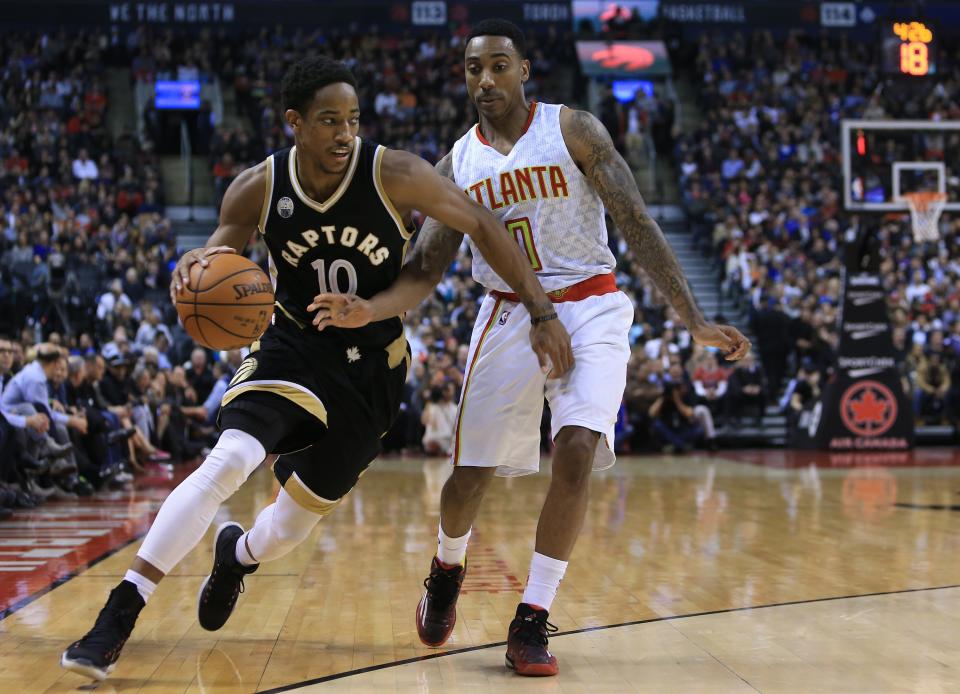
(864, 407)
(307, 14)
(623, 58)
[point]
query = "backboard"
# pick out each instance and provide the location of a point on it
(883, 159)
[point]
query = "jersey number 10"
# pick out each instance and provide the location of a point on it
(520, 228)
(333, 285)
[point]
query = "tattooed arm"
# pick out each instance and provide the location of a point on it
(412, 183)
(592, 149)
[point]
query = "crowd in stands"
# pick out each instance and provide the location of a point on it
(411, 89)
(761, 182)
(85, 251)
(90, 353)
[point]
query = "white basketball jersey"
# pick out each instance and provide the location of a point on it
(542, 198)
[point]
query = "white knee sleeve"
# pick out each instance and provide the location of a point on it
(187, 513)
(280, 527)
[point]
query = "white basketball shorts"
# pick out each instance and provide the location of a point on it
(501, 405)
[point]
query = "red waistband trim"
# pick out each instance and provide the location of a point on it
(598, 285)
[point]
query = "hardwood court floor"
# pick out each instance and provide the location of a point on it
(694, 574)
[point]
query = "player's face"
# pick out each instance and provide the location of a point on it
(495, 75)
(326, 132)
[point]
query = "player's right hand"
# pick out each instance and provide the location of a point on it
(340, 310)
(551, 343)
(181, 273)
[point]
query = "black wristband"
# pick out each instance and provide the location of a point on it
(543, 319)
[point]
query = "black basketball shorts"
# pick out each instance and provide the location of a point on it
(320, 402)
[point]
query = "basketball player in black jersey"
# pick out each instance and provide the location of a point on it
(334, 211)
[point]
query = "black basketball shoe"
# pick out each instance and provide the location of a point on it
(437, 611)
(220, 590)
(95, 655)
(527, 652)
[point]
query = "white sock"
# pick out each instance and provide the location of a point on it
(144, 585)
(279, 528)
(544, 580)
(452, 550)
(242, 551)
(189, 509)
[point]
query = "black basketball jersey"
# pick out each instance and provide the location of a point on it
(353, 243)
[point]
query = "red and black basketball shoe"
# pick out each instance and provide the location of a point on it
(437, 611)
(527, 652)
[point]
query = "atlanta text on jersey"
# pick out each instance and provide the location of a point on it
(520, 185)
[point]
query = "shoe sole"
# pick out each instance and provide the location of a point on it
(85, 667)
(534, 670)
(203, 586)
(435, 644)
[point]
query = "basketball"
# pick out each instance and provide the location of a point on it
(228, 304)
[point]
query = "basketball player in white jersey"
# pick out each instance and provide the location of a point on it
(547, 172)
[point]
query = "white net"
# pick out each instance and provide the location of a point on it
(925, 209)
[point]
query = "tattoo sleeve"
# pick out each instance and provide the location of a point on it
(593, 149)
(437, 244)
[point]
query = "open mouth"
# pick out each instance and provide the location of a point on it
(340, 154)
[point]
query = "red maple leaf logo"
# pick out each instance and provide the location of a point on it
(869, 409)
(621, 56)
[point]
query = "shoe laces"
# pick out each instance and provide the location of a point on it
(230, 571)
(443, 586)
(104, 632)
(534, 629)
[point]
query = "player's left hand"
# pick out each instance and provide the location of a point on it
(726, 338)
(551, 343)
(341, 311)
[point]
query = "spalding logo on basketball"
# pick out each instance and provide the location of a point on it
(868, 408)
(228, 304)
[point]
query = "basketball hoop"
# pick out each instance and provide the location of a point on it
(925, 209)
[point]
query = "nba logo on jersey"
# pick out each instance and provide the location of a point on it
(503, 317)
(285, 207)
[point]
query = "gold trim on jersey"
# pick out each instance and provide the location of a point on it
(384, 198)
(245, 371)
(289, 316)
(267, 197)
(337, 194)
(397, 353)
(272, 268)
(293, 392)
(300, 492)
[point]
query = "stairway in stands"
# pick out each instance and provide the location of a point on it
(705, 281)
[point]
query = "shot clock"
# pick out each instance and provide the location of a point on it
(909, 49)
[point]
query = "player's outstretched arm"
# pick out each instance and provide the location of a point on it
(593, 150)
(412, 183)
(436, 248)
(239, 218)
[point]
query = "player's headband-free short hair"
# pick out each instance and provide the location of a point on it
(500, 27)
(305, 77)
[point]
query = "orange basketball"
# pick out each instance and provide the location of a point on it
(228, 304)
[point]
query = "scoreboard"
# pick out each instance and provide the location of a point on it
(909, 49)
